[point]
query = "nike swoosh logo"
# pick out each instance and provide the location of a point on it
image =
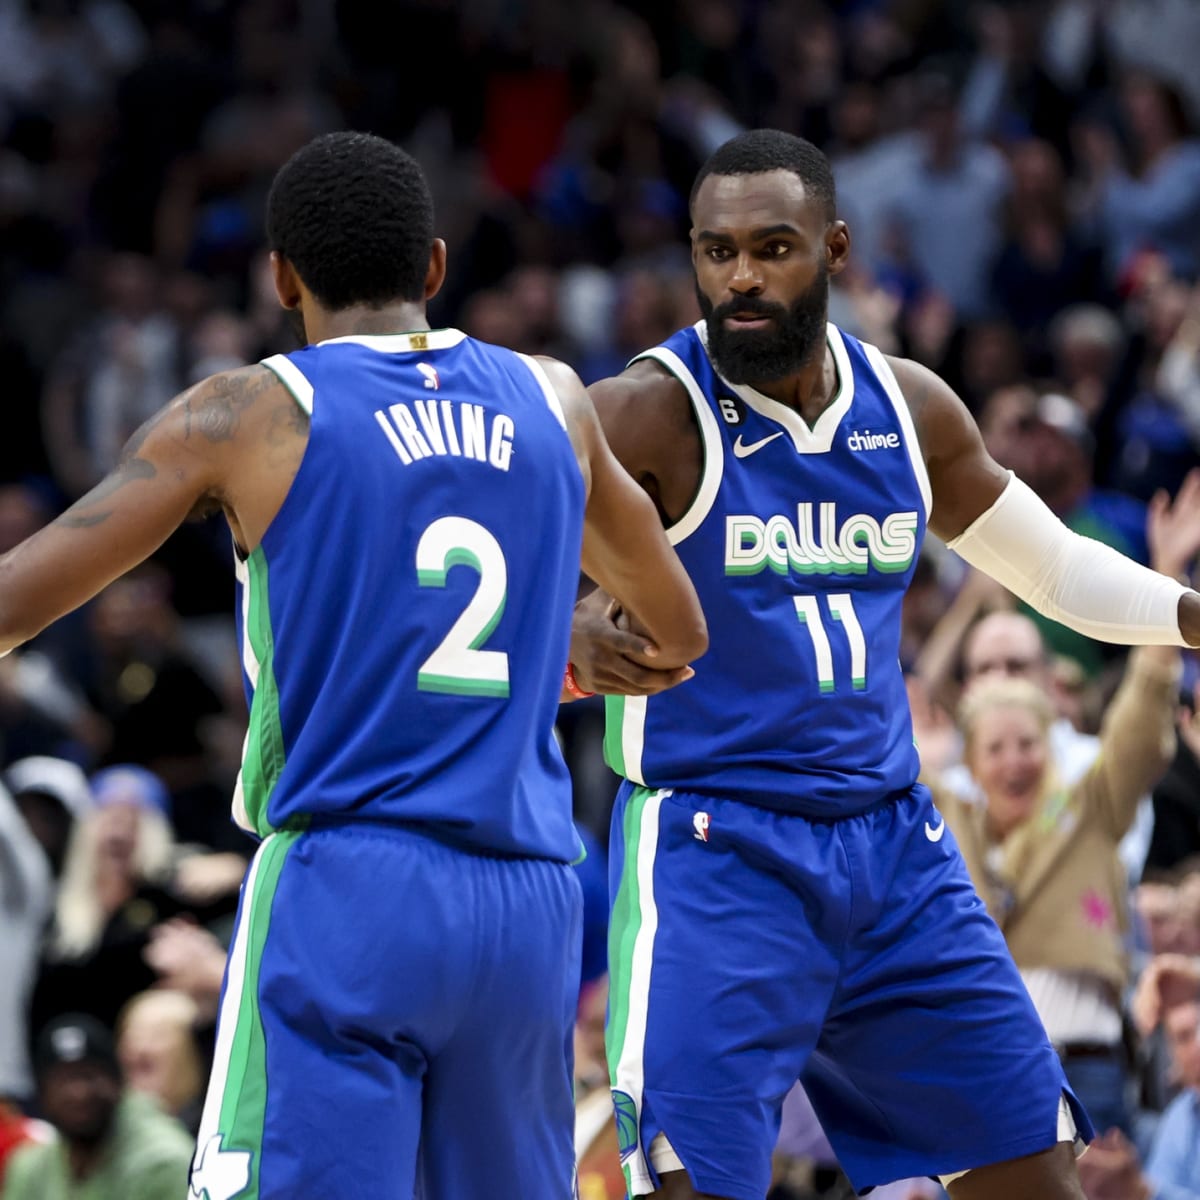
(935, 835)
(741, 450)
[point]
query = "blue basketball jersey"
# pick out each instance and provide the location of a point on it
(801, 543)
(405, 622)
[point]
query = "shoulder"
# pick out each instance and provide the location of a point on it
(219, 408)
(27, 1166)
(157, 1138)
(644, 402)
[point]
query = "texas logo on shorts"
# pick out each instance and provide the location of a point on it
(627, 1123)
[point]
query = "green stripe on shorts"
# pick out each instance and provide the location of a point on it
(244, 1102)
(623, 930)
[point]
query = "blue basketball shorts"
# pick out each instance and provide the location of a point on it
(397, 1018)
(750, 948)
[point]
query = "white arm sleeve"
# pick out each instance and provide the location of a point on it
(1076, 580)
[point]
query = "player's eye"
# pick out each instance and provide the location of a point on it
(719, 253)
(778, 249)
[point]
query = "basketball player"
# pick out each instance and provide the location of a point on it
(786, 902)
(407, 507)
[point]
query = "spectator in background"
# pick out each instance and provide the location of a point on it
(47, 797)
(26, 902)
(111, 1144)
(1043, 853)
(1009, 92)
(1152, 201)
(1168, 997)
(1044, 265)
(1177, 796)
(190, 960)
(118, 371)
(1146, 443)
(123, 875)
(163, 712)
(867, 162)
(1086, 342)
(1009, 645)
(1162, 926)
(159, 1054)
(51, 794)
(17, 1130)
(949, 205)
(1044, 858)
(1061, 456)
(1178, 378)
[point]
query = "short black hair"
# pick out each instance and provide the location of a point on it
(760, 150)
(353, 214)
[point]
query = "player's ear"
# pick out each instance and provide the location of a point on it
(287, 282)
(436, 275)
(837, 246)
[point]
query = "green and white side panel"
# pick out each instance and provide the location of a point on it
(631, 958)
(229, 1143)
(262, 752)
(624, 735)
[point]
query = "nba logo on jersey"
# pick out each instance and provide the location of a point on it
(700, 825)
(431, 376)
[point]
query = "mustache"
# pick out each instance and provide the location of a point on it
(749, 305)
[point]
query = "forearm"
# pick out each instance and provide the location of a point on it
(1079, 582)
(1137, 739)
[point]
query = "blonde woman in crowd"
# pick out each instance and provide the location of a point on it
(1043, 856)
(124, 874)
(159, 1053)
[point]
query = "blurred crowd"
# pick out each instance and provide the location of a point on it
(1022, 183)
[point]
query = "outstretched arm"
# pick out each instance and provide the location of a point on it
(624, 547)
(1000, 526)
(175, 463)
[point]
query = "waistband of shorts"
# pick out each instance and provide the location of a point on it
(449, 839)
(887, 800)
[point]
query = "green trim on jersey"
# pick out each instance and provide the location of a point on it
(614, 723)
(265, 757)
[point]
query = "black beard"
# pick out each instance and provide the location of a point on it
(767, 355)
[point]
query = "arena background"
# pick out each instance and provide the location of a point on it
(1022, 184)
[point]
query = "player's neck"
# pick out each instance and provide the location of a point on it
(405, 317)
(809, 390)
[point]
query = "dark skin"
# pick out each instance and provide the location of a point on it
(234, 443)
(761, 236)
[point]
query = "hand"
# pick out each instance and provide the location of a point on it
(612, 660)
(203, 878)
(1168, 980)
(1110, 1170)
(187, 959)
(1173, 528)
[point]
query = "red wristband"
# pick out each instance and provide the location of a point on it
(572, 685)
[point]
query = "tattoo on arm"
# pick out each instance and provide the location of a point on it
(83, 514)
(216, 410)
(213, 410)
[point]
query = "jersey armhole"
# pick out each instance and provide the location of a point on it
(908, 430)
(293, 379)
(543, 381)
(713, 448)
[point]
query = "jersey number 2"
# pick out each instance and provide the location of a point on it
(459, 666)
(841, 608)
